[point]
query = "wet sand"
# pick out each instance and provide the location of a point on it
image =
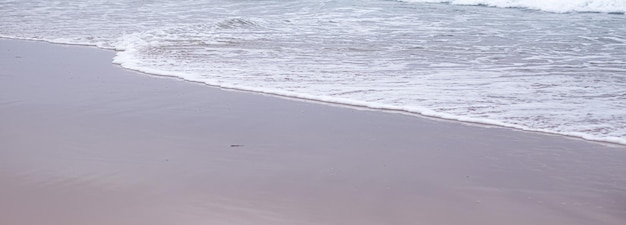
(83, 141)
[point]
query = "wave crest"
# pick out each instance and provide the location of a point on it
(236, 23)
(557, 6)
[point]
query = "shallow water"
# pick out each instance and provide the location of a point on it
(518, 67)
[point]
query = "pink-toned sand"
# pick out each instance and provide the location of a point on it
(84, 142)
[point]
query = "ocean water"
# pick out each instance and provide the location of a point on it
(556, 66)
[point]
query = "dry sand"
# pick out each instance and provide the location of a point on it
(83, 141)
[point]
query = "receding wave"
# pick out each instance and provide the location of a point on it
(558, 6)
(549, 72)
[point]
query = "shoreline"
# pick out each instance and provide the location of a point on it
(614, 141)
(85, 141)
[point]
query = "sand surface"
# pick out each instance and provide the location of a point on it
(83, 141)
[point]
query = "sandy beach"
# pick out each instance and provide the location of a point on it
(83, 141)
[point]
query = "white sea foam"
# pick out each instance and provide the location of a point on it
(554, 73)
(558, 6)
